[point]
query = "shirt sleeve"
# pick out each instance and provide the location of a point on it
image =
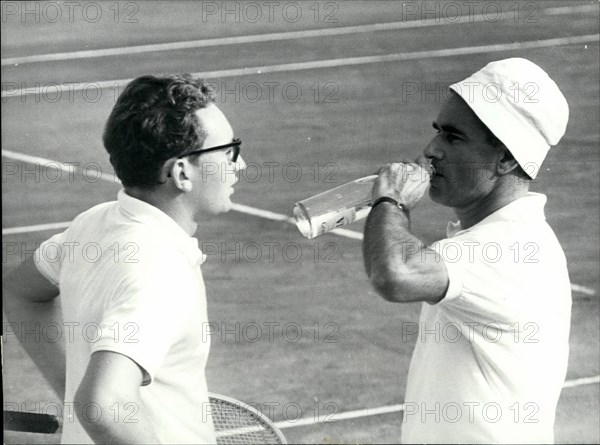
(455, 261)
(49, 256)
(143, 318)
(486, 284)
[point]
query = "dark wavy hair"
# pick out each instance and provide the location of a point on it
(154, 120)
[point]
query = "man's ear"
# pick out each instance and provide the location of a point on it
(177, 173)
(506, 162)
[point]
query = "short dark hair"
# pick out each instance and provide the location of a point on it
(493, 140)
(154, 120)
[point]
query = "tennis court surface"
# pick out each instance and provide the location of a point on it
(321, 93)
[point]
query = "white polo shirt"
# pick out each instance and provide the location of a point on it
(130, 282)
(491, 357)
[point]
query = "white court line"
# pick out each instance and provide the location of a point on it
(582, 289)
(570, 9)
(242, 208)
(36, 228)
(582, 381)
(37, 160)
(331, 63)
(391, 409)
(340, 416)
(272, 37)
(65, 167)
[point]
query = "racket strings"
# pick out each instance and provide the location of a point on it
(239, 425)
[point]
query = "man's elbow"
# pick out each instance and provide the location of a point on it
(390, 286)
(93, 410)
(406, 286)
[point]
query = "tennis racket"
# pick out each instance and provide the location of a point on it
(235, 422)
(239, 423)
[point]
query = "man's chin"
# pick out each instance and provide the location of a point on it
(433, 194)
(436, 196)
(216, 209)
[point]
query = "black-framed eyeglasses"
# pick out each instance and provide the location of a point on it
(233, 154)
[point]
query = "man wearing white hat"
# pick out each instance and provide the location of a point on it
(492, 348)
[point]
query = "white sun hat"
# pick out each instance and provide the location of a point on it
(521, 105)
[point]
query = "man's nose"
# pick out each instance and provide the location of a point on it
(240, 164)
(433, 150)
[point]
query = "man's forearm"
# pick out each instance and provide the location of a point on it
(388, 241)
(397, 262)
(112, 383)
(116, 421)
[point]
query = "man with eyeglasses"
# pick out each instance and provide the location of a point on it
(137, 351)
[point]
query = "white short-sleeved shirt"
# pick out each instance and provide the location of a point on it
(130, 282)
(491, 357)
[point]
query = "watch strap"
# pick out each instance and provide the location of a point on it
(391, 201)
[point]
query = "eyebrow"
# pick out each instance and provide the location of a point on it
(448, 129)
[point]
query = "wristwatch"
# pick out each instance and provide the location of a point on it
(391, 201)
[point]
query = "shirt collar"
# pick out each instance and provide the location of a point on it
(529, 207)
(145, 213)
